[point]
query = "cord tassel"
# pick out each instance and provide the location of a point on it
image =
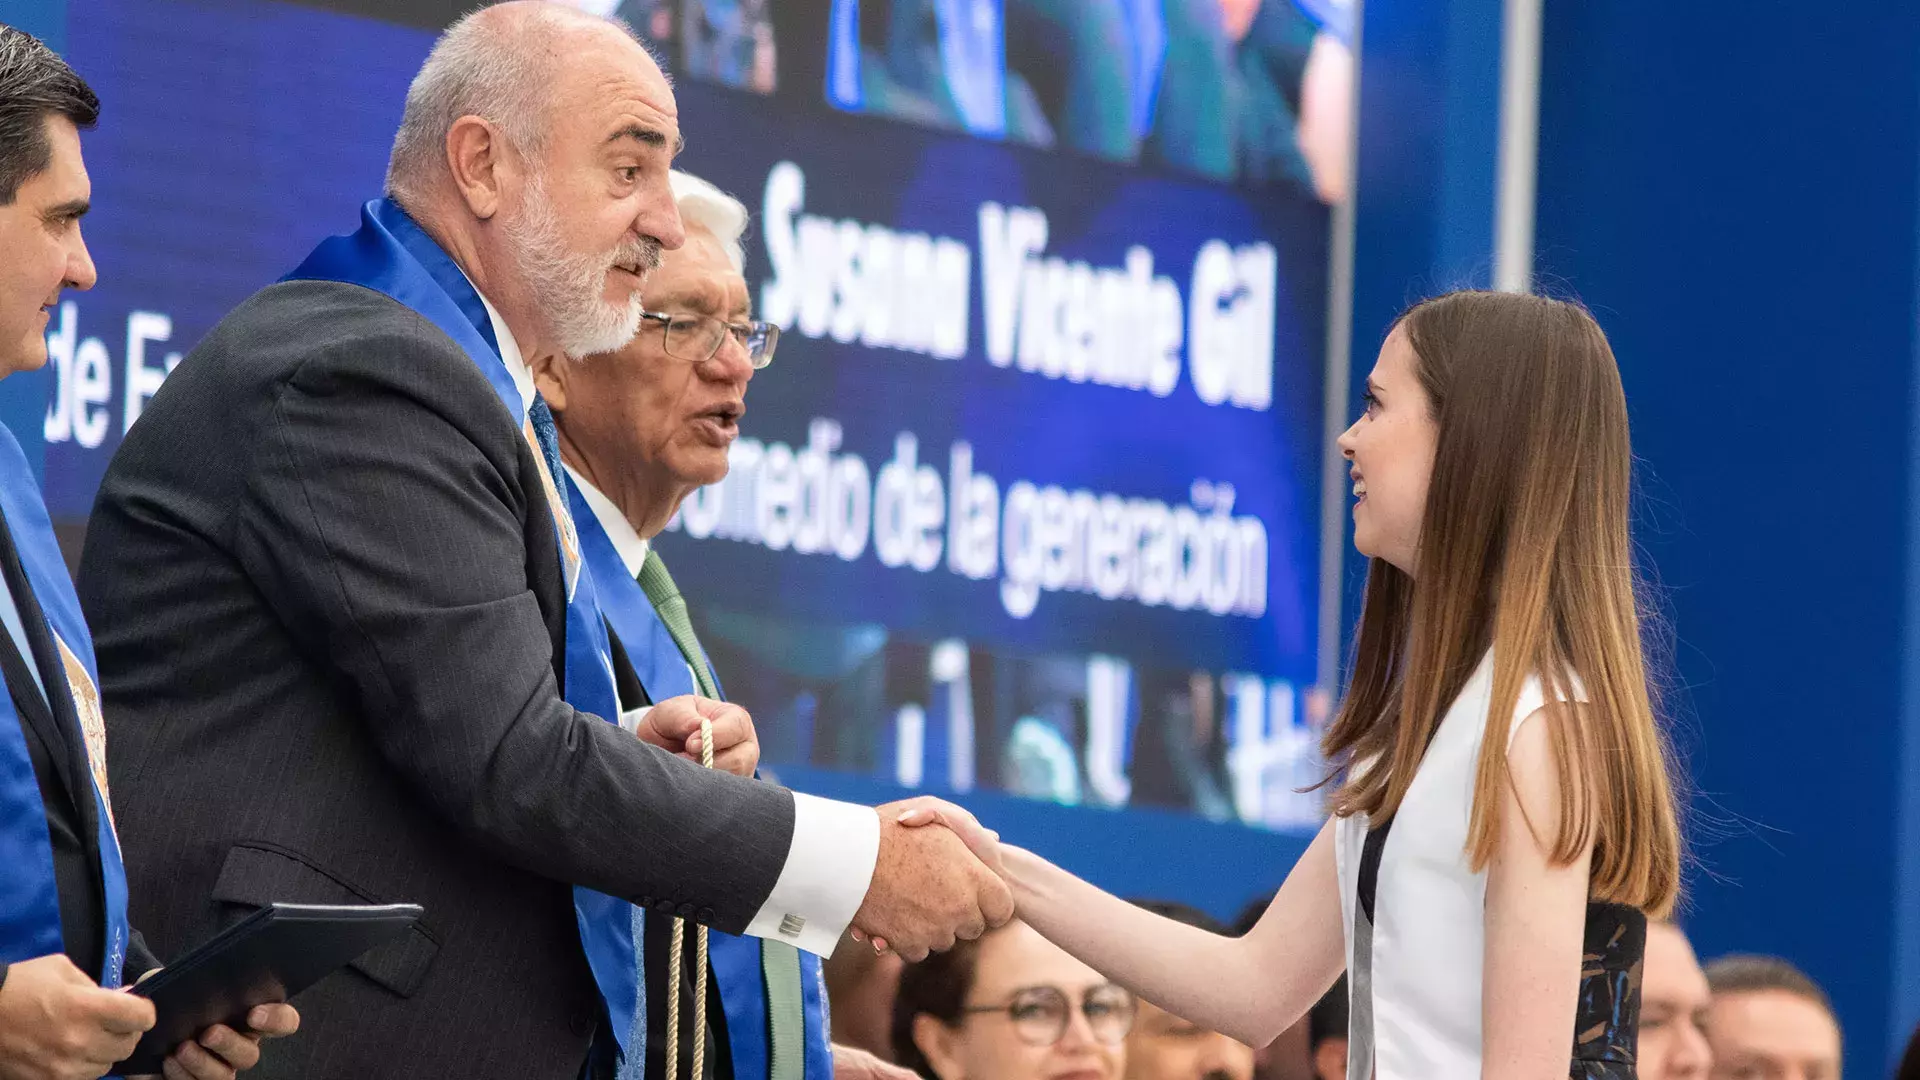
(676, 952)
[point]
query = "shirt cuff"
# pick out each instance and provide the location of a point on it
(630, 720)
(829, 867)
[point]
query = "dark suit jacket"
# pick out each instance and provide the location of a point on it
(329, 614)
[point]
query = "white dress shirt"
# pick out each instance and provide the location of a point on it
(517, 368)
(17, 630)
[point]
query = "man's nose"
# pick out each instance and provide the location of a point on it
(731, 362)
(1691, 1056)
(660, 218)
(80, 271)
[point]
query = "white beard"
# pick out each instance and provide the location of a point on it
(569, 288)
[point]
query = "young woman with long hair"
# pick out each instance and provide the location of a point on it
(1503, 821)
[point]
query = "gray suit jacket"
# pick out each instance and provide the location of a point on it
(327, 602)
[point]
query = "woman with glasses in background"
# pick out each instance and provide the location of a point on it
(1010, 1006)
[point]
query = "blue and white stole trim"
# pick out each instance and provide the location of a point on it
(29, 898)
(663, 672)
(392, 255)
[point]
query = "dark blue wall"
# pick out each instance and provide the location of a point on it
(1424, 181)
(1732, 188)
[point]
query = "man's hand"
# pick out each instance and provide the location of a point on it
(674, 725)
(850, 1063)
(220, 1052)
(57, 1024)
(928, 890)
(927, 810)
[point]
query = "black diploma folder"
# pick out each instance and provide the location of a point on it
(269, 956)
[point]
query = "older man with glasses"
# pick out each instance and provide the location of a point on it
(639, 429)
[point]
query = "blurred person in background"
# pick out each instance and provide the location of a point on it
(1164, 1046)
(862, 985)
(727, 41)
(1769, 1021)
(1674, 999)
(1328, 88)
(1327, 1033)
(1053, 73)
(1010, 1006)
(1182, 757)
(1255, 91)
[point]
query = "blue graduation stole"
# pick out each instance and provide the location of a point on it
(663, 672)
(29, 900)
(391, 254)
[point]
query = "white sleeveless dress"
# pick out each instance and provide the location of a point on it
(1427, 937)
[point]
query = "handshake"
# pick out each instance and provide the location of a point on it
(932, 886)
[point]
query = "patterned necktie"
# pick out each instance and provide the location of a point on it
(544, 434)
(540, 432)
(779, 961)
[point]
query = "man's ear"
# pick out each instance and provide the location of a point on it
(940, 1045)
(550, 379)
(478, 159)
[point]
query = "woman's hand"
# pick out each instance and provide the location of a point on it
(982, 841)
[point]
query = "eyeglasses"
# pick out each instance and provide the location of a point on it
(696, 338)
(1040, 1014)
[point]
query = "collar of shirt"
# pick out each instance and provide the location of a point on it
(626, 541)
(517, 368)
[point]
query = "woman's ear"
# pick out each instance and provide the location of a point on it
(941, 1046)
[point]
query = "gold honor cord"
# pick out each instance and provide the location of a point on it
(675, 954)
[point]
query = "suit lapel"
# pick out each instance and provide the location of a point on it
(625, 680)
(54, 717)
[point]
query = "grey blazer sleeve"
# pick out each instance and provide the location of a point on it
(394, 546)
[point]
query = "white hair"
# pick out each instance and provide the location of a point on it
(716, 211)
(483, 66)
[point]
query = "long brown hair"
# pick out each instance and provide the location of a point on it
(1524, 549)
